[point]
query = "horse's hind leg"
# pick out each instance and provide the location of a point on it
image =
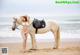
(57, 39)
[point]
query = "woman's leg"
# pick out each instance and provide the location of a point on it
(24, 41)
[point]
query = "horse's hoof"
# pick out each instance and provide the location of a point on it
(29, 51)
(55, 48)
(33, 49)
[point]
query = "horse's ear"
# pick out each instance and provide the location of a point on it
(34, 18)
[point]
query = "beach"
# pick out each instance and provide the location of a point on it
(67, 47)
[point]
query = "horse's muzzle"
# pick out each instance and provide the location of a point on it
(13, 29)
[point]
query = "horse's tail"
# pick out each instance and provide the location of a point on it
(58, 32)
(58, 36)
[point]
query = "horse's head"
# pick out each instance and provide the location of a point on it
(14, 26)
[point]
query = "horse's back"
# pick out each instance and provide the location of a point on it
(49, 25)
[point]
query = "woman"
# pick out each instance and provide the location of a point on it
(24, 31)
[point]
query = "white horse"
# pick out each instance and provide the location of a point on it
(50, 26)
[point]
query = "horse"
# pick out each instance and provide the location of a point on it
(50, 26)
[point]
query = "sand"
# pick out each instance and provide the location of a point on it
(44, 48)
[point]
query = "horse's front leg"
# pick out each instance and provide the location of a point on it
(33, 42)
